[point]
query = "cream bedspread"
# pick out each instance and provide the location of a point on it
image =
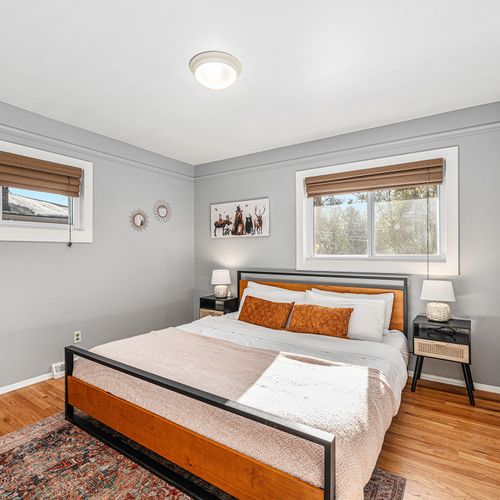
(356, 403)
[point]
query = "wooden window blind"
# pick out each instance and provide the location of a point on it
(416, 173)
(39, 175)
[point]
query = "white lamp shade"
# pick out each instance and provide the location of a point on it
(438, 291)
(221, 277)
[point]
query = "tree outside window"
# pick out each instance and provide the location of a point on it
(391, 222)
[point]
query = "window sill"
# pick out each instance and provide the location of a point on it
(44, 234)
(367, 265)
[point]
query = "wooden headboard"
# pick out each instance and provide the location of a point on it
(298, 281)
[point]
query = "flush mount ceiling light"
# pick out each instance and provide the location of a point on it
(215, 70)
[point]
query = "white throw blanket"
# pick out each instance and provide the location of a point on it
(356, 403)
(389, 356)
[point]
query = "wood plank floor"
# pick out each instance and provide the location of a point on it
(445, 448)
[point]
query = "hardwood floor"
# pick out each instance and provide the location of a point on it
(445, 448)
(30, 404)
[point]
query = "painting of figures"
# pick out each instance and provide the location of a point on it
(248, 219)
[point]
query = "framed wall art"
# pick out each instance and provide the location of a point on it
(240, 219)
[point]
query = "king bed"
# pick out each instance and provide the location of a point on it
(256, 412)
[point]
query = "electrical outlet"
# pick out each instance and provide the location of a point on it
(77, 337)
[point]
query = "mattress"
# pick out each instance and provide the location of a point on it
(349, 388)
(399, 341)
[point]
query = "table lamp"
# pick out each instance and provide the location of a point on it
(438, 291)
(221, 278)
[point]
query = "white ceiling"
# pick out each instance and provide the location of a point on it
(311, 69)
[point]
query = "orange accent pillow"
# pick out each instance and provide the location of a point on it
(331, 321)
(265, 312)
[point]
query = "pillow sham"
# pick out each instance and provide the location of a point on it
(266, 313)
(330, 321)
(367, 318)
(388, 297)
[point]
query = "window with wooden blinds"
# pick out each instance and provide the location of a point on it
(24, 172)
(411, 174)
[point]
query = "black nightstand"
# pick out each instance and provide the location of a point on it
(212, 306)
(449, 340)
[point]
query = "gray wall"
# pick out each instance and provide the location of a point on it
(477, 133)
(126, 283)
(122, 284)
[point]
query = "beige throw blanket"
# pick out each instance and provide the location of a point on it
(354, 403)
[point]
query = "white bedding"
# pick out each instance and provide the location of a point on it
(389, 356)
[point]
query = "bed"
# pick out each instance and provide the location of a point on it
(258, 413)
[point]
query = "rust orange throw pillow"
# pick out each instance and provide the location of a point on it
(265, 313)
(331, 321)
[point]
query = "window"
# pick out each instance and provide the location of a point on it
(406, 221)
(385, 230)
(341, 224)
(24, 205)
(398, 218)
(40, 200)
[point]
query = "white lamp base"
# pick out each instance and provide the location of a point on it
(437, 311)
(220, 291)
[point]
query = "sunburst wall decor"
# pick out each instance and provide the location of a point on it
(139, 220)
(162, 211)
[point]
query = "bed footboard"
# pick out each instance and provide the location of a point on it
(227, 469)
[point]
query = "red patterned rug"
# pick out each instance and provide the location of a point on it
(54, 459)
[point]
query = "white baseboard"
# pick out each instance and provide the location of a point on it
(424, 376)
(454, 381)
(24, 383)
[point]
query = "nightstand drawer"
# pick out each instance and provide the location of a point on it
(441, 350)
(210, 312)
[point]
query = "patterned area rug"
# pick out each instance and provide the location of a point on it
(54, 459)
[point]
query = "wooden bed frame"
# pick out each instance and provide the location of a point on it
(126, 424)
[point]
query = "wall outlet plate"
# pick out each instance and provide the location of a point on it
(77, 337)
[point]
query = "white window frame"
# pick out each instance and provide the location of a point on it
(82, 228)
(446, 264)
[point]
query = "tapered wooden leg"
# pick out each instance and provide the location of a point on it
(468, 382)
(417, 372)
(470, 377)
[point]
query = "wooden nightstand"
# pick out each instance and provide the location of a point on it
(212, 306)
(449, 340)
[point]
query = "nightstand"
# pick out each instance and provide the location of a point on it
(212, 306)
(447, 340)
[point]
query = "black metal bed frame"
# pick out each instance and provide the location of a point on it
(146, 460)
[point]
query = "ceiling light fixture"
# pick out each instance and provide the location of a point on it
(215, 70)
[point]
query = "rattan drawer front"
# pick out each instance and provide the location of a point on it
(210, 312)
(441, 350)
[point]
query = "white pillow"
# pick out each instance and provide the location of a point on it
(268, 288)
(388, 297)
(367, 318)
(275, 295)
